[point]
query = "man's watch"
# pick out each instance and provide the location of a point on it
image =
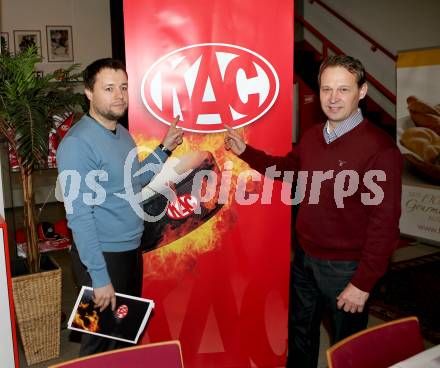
(166, 150)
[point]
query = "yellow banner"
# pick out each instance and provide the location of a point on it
(409, 59)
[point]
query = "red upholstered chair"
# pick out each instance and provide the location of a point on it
(159, 355)
(378, 346)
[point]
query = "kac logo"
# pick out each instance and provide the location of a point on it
(121, 312)
(209, 85)
(183, 206)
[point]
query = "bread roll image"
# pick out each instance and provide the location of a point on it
(422, 141)
(428, 171)
(426, 120)
(416, 105)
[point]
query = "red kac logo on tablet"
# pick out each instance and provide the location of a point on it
(122, 311)
(208, 85)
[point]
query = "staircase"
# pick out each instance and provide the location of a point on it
(307, 61)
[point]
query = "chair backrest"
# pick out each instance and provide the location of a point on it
(159, 355)
(379, 346)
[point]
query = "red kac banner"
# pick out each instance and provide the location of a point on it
(217, 264)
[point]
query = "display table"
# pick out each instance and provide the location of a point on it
(429, 358)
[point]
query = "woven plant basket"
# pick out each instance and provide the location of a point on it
(37, 302)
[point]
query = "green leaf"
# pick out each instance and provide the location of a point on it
(28, 103)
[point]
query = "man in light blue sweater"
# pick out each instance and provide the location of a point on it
(92, 160)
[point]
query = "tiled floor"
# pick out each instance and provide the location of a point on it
(69, 350)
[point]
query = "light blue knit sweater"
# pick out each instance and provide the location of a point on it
(108, 225)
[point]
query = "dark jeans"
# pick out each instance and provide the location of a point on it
(315, 285)
(125, 271)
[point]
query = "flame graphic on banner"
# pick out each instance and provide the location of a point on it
(181, 255)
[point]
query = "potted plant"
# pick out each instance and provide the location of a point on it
(28, 104)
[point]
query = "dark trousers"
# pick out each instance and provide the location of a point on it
(125, 271)
(315, 285)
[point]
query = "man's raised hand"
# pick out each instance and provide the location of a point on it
(233, 141)
(174, 136)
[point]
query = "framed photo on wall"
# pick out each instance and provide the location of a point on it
(59, 43)
(25, 39)
(4, 42)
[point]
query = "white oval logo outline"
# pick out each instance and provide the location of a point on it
(157, 62)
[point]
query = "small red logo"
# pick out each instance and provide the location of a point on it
(182, 207)
(122, 311)
(209, 85)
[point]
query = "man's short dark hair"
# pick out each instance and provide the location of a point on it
(94, 68)
(354, 66)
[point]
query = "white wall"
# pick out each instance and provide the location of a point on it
(90, 21)
(396, 25)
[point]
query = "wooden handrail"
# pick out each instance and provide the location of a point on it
(327, 44)
(374, 45)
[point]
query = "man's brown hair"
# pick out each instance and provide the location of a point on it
(354, 66)
(89, 74)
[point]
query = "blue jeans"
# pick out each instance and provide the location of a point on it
(315, 285)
